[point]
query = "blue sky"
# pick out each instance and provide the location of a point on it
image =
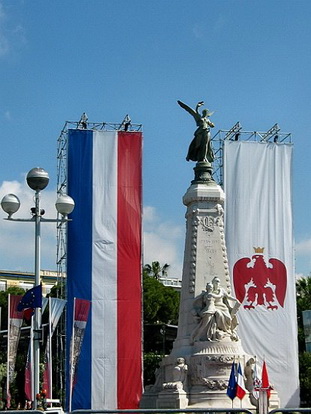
(249, 60)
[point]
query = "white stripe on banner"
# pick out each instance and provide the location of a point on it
(104, 271)
(258, 213)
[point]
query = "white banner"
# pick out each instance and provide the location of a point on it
(259, 235)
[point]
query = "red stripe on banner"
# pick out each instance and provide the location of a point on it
(129, 288)
(82, 308)
(14, 313)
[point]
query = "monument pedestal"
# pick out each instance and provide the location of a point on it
(172, 398)
(206, 336)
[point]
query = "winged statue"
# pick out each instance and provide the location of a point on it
(200, 148)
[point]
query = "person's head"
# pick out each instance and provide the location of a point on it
(209, 287)
(216, 282)
(180, 360)
(206, 113)
(251, 361)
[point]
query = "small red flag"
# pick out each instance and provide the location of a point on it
(265, 379)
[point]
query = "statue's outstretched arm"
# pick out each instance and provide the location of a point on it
(199, 104)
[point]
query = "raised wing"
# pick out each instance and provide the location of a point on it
(188, 109)
(278, 276)
(241, 277)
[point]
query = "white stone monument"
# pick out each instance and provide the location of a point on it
(207, 340)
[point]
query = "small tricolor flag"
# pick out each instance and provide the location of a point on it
(240, 388)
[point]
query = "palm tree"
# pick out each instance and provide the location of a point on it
(156, 270)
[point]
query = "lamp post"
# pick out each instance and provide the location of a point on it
(37, 179)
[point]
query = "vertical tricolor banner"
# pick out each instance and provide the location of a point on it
(259, 235)
(15, 321)
(104, 265)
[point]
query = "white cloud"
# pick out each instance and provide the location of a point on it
(163, 242)
(4, 43)
(220, 23)
(12, 34)
(17, 238)
(150, 215)
(303, 247)
(198, 31)
(7, 115)
(303, 257)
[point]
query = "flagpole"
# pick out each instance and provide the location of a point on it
(37, 316)
(8, 353)
(50, 350)
(71, 355)
(31, 365)
(37, 179)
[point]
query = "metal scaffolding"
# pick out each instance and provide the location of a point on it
(236, 133)
(62, 144)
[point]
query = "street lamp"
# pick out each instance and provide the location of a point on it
(37, 179)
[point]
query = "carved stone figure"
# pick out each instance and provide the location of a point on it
(206, 328)
(180, 372)
(216, 318)
(200, 148)
(249, 373)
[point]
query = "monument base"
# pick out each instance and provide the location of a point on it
(172, 399)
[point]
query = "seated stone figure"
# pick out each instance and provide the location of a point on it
(216, 318)
(179, 375)
(206, 328)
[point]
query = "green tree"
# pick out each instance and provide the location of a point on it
(305, 378)
(161, 303)
(161, 307)
(303, 288)
(58, 290)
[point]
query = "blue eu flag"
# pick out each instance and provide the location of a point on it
(231, 390)
(32, 299)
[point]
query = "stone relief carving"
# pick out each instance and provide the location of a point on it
(208, 223)
(193, 253)
(215, 384)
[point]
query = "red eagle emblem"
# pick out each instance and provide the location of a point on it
(259, 283)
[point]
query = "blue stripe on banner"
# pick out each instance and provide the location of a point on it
(79, 255)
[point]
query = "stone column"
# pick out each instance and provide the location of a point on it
(205, 254)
